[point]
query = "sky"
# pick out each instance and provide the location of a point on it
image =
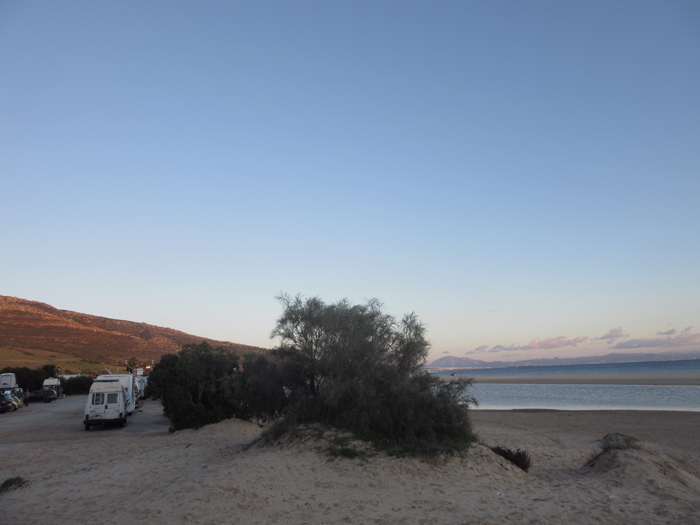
(524, 176)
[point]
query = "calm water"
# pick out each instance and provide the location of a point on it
(613, 368)
(586, 397)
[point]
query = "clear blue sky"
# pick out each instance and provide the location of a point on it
(510, 171)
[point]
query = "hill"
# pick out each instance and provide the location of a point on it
(39, 331)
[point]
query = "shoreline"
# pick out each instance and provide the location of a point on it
(681, 378)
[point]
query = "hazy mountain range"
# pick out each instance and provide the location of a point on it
(464, 362)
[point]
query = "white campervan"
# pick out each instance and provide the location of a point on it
(106, 404)
(127, 381)
(141, 382)
(8, 381)
(53, 383)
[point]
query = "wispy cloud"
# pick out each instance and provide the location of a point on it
(685, 337)
(667, 332)
(550, 343)
(500, 348)
(536, 344)
(682, 339)
(477, 350)
(446, 352)
(612, 335)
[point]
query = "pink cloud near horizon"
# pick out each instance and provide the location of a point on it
(612, 335)
(682, 339)
(548, 343)
(685, 337)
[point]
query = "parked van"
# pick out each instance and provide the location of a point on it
(54, 383)
(142, 381)
(129, 385)
(8, 381)
(106, 404)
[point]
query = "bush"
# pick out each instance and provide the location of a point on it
(27, 378)
(519, 458)
(77, 385)
(357, 368)
(257, 391)
(190, 385)
(620, 442)
(12, 483)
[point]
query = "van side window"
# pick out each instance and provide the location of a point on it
(112, 398)
(98, 398)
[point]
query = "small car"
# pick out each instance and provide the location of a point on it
(6, 403)
(16, 402)
(42, 395)
(50, 395)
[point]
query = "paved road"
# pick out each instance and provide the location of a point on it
(62, 420)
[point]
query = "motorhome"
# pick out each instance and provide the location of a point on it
(53, 383)
(106, 404)
(8, 381)
(127, 381)
(141, 382)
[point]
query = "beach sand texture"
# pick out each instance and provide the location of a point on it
(144, 474)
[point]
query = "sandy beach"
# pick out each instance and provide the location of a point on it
(143, 473)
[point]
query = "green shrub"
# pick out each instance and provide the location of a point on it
(190, 385)
(77, 385)
(29, 379)
(357, 368)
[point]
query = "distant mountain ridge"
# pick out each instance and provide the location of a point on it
(465, 362)
(33, 325)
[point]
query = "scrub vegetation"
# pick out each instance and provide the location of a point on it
(31, 379)
(12, 483)
(190, 385)
(351, 366)
(77, 385)
(519, 458)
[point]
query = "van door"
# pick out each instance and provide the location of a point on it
(105, 406)
(112, 405)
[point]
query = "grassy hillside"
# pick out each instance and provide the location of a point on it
(34, 333)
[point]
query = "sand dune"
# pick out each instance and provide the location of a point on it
(144, 474)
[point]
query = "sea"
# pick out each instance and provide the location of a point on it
(584, 397)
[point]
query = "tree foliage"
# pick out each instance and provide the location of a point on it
(77, 385)
(353, 366)
(356, 367)
(190, 385)
(31, 379)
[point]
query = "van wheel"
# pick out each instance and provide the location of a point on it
(121, 424)
(87, 426)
